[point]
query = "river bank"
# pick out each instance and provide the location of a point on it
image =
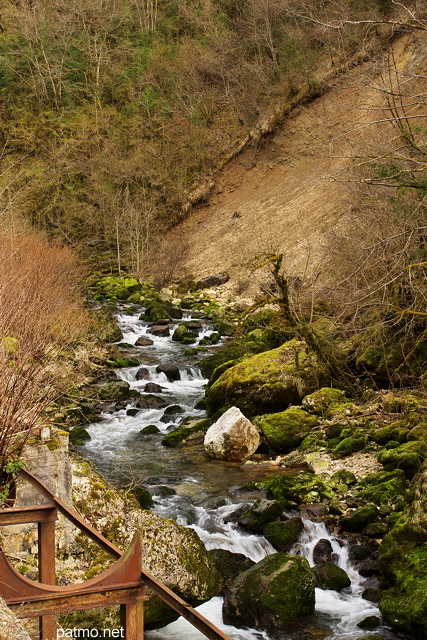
(117, 438)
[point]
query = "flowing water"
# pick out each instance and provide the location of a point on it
(201, 493)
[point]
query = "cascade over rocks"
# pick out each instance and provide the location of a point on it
(274, 593)
(233, 437)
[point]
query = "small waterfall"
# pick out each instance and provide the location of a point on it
(183, 481)
(347, 607)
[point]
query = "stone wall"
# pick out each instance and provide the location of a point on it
(46, 457)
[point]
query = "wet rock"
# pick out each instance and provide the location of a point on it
(372, 595)
(329, 576)
(369, 623)
(78, 434)
(151, 402)
(143, 496)
(171, 371)
(185, 432)
(161, 330)
(132, 412)
(287, 429)
(322, 552)
(233, 437)
(173, 410)
(142, 374)
(152, 387)
(143, 341)
(260, 514)
(229, 565)
(150, 429)
(274, 593)
(369, 567)
(284, 534)
(316, 512)
(180, 333)
(174, 313)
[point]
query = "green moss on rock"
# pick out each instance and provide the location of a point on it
(319, 401)
(298, 488)
(267, 382)
(357, 520)
(329, 576)
(287, 429)
(408, 457)
(284, 534)
(274, 593)
(383, 488)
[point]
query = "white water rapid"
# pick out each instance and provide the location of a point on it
(202, 493)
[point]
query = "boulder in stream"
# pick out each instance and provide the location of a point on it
(171, 371)
(143, 341)
(274, 593)
(283, 534)
(329, 576)
(233, 437)
(142, 374)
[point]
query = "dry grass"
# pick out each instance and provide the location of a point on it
(40, 318)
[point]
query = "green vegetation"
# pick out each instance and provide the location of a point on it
(116, 112)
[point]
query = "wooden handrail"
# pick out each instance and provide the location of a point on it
(175, 602)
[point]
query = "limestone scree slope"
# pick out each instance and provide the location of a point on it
(295, 192)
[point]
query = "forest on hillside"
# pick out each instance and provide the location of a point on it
(116, 113)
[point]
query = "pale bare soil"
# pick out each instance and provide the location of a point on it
(294, 193)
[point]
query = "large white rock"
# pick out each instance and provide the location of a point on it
(232, 437)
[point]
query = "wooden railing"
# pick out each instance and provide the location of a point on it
(124, 583)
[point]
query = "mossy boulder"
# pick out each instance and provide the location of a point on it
(349, 445)
(229, 353)
(180, 333)
(329, 576)
(397, 431)
(260, 514)
(267, 382)
(287, 429)
(173, 553)
(229, 565)
(271, 595)
(187, 430)
(298, 488)
(283, 534)
(78, 434)
(383, 488)
(150, 429)
(408, 457)
(403, 561)
(114, 391)
(358, 519)
(319, 401)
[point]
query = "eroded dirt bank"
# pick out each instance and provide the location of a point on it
(292, 193)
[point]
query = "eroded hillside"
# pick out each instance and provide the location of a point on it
(302, 191)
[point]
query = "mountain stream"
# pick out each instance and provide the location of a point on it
(201, 493)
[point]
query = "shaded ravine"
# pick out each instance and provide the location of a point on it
(199, 492)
